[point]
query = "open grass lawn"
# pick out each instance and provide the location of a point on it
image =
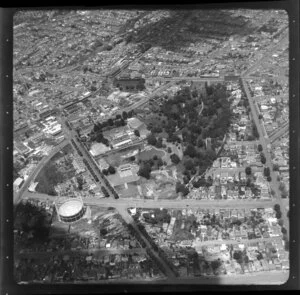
(148, 154)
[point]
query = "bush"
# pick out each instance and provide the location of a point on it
(278, 214)
(145, 171)
(111, 170)
(277, 207)
(151, 139)
(175, 159)
(248, 170)
(263, 159)
(137, 133)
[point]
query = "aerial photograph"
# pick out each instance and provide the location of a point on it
(151, 146)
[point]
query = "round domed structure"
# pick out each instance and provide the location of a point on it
(71, 210)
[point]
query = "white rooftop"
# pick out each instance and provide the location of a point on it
(70, 208)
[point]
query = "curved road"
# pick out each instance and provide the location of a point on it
(40, 165)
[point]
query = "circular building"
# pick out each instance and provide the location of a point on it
(71, 210)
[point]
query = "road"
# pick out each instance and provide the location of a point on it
(38, 168)
(279, 132)
(235, 170)
(72, 135)
(95, 252)
(172, 204)
(184, 78)
(274, 183)
(232, 242)
(267, 54)
(129, 220)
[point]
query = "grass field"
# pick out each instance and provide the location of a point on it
(148, 154)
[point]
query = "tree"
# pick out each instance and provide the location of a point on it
(248, 170)
(283, 230)
(263, 158)
(267, 172)
(189, 164)
(151, 139)
(137, 133)
(269, 178)
(280, 222)
(124, 115)
(159, 143)
(277, 207)
(132, 158)
(145, 171)
(255, 132)
(105, 171)
(215, 265)
(103, 231)
(181, 188)
(122, 122)
(237, 255)
(175, 159)
(278, 214)
(259, 148)
(169, 150)
(110, 122)
(190, 151)
(160, 162)
(111, 170)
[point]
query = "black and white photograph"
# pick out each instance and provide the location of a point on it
(151, 146)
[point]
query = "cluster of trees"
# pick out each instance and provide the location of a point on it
(263, 158)
(203, 182)
(280, 222)
(282, 188)
(80, 182)
(248, 170)
(241, 257)
(181, 188)
(105, 192)
(147, 166)
(182, 112)
(36, 220)
(158, 216)
(278, 211)
(109, 170)
(48, 178)
(175, 159)
(255, 132)
(267, 173)
(152, 140)
(97, 132)
(215, 265)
